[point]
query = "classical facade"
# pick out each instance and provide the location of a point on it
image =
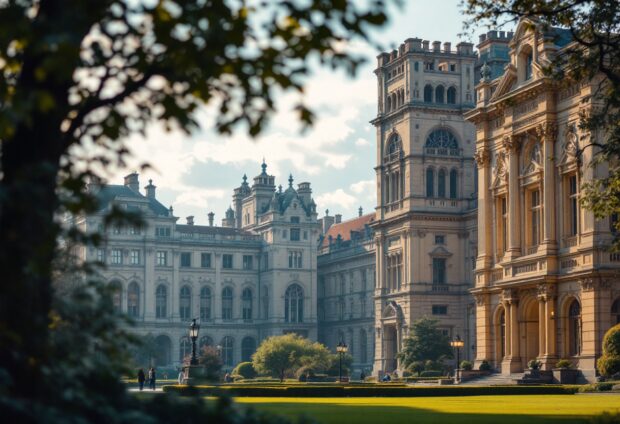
(546, 286)
(252, 277)
(346, 286)
(425, 222)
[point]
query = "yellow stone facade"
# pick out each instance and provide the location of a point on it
(546, 284)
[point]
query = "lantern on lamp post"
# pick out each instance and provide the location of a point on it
(457, 344)
(342, 348)
(193, 335)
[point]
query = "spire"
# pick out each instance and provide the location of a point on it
(280, 188)
(264, 167)
(290, 180)
(360, 211)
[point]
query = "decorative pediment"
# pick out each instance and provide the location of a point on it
(506, 82)
(533, 159)
(440, 251)
(500, 177)
(392, 311)
(570, 149)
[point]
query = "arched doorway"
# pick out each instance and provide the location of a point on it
(163, 351)
(390, 346)
(500, 336)
(529, 329)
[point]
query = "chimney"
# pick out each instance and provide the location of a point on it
(360, 211)
(211, 215)
(190, 220)
(327, 221)
(150, 190)
(447, 47)
(425, 44)
(437, 46)
(338, 218)
(132, 182)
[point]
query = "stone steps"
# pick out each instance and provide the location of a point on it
(494, 380)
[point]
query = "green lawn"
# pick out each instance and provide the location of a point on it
(530, 409)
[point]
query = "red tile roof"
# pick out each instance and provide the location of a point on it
(345, 228)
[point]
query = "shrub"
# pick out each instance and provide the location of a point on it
(484, 365)
(416, 367)
(211, 360)
(431, 373)
(607, 365)
(563, 363)
(611, 342)
(534, 364)
(467, 366)
(245, 370)
(407, 373)
(432, 365)
(305, 370)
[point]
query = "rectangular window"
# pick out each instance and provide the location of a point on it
(535, 217)
(439, 270)
(440, 239)
(116, 256)
(573, 205)
(416, 66)
(284, 234)
(502, 223)
(134, 257)
(295, 232)
(101, 255)
(134, 230)
(265, 261)
(294, 219)
(205, 260)
(305, 235)
(162, 258)
(440, 310)
(227, 261)
(186, 259)
(162, 232)
(248, 262)
(294, 259)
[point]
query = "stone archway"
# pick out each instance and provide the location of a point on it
(530, 340)
(390, 346)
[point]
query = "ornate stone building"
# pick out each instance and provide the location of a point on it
(546, 286)
(346, 286)
(252, 277)
(425, 223)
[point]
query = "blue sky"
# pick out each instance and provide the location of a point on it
(196, 174)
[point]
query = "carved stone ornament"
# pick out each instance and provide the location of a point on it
(482, 157)
(546, 291)
(501, 171)
(587, 284)
(509, 296)
(512, 143)
(480, 298)
(547, 130)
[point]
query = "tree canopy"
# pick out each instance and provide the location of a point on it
(281, 356)
(425, 343)
(77, 78)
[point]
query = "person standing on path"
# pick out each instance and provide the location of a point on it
(141, 378)
(181, 376)
(152, 378)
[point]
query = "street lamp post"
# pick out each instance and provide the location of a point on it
(457, 344)
(341, 349)
(193, 335)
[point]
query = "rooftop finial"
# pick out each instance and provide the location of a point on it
(245, 179)
(264, 166)
(326, 212)
(280, 188)
(290, 180)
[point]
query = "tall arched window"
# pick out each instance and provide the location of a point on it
(430, 182)
(574, 328)
(615, 312)
(441, 183)
(363, 347)
(294, 304)
(453, 179)
(227, 351)
(428, 93)
(227, 303)
(248, 347)
(439, 91)
(117, 295)
(451, 95)
(185, 350)
(443, 142)
(205, 341)
(185, 303)
(161, 301)
(388, 106)
(246, 299)
(163, 349)
(133, 300)
(205, 303)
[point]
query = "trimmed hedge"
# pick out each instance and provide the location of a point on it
(367, 391)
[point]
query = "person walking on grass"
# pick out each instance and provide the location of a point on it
(141, 378)
(152, 378)
(181, 376)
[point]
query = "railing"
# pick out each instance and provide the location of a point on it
(393, 156)
(497, 275)
(442, 151)
(614, 257)
(531, 250)
(440, 288)
(570, 241)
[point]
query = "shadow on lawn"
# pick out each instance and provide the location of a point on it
(387, 414)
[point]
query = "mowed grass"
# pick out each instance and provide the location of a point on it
(530, 409)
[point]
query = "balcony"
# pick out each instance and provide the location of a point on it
(442, 151)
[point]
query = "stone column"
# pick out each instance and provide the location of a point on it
(147, 301)
(512, 360)
(485, 201)
(512, 144)
(547, 132)
(484, 342)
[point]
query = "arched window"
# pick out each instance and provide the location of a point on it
(442, 140)
(294, 304)
(163, 347)
(227, 303)
(528, 65)
(388, 107)
(502, 332)
(161, 301)
(246, 300)
(394, 148)
(428, 93)
(441, 183)
(133, 300)
(451, 95)
(615, 312)
(363, 347)
(430, 182)
(185, 303)
(453, 178)
(205, 303)
(439, 94)
(205, 341)
(574, 328)
(117, 295)
(227, 351)
(185, 350)
(248, 347)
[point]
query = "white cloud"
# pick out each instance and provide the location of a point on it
(362, 142)
(336, 200)
(365, 187)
